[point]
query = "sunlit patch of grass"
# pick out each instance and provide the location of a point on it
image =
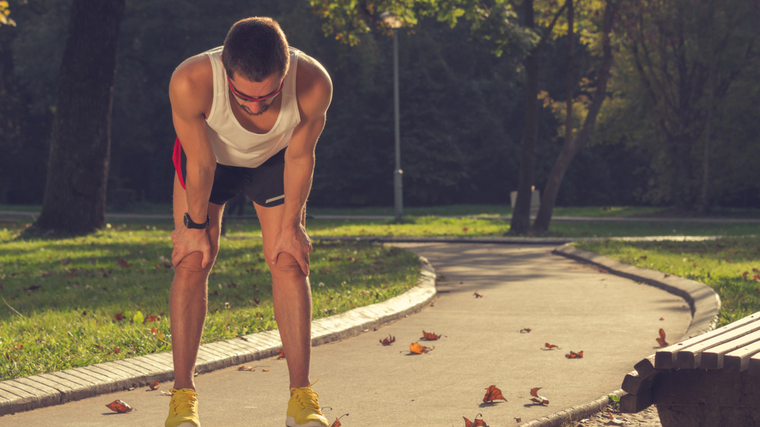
(730, 266)
(62, 297)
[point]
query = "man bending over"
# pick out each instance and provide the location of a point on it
(247, 115)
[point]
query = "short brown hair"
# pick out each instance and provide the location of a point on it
(256, 48)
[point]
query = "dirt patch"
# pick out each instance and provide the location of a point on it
(646, 418)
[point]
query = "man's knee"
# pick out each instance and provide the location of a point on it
(286, 265)
(192, 264)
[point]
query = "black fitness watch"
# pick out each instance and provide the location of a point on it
(190, 224)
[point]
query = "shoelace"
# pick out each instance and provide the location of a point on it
(184, 399)
(307, 397)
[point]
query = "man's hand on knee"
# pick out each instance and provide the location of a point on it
(294, 242)
(187, 241)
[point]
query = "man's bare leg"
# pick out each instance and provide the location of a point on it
(291, 295)
(189, 295)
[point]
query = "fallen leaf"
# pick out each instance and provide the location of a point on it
(280, 354)
(475, 422)
(574, 355)
(124, 263)
(388, 341)
(429, 336)
(541, 400)
(119, 406)
(525, 330)
(667, 275)
(518, 419)
(550, 346)
(661, 318)
(153, 385)
(661, 339)
(601, 270)
(245, 368)
(615, 421)
(118, 317)
(477, 295)
(493, 393)
(265, 370)
(419, 349)
(337, 421)
(150, 319)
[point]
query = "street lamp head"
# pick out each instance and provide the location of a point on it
(391, 20)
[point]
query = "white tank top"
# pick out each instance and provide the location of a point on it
(235, 146)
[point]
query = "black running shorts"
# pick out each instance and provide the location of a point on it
(264, 184)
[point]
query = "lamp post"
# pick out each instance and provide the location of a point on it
(398, 188)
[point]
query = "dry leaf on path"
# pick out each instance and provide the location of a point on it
(119, 406)
(477, 295)
(548, 346)
(388, 341)
(493, 393)
(661, 339)
(419, 348)
(337, 421)
(153, 385)
(475, 422)
(541, 400)
(574, 355)
(429, 336)
(280, 354)
(525, 330)
(245, 368)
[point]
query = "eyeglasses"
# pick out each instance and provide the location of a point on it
(249, 98)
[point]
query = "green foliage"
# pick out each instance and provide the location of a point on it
(4, 14)
(730, 266)
(661, 96)
(60, 297)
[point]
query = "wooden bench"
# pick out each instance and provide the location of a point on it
(709, 380)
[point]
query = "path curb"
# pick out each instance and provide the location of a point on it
(702, 300)
(37, 391)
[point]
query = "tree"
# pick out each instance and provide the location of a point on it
(74, 201)
(687, 55)
(573, 144)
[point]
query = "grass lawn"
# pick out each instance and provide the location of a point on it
(74, 302)
(472, 227)
(730, 266)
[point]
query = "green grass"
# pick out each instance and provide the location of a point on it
(430, 226)
(730, 266)
(61, 296)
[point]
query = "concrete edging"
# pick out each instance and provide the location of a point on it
(37, 391)
(702, 300)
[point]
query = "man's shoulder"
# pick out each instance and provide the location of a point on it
(313, 84)
(192, 81)
(195, 70)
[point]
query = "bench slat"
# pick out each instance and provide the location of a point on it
(691, 358)
(738, 360)
(713, 358)
(667, 357)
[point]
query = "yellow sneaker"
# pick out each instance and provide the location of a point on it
(183, 409)
(303, 409)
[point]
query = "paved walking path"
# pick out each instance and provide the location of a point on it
(566, 303)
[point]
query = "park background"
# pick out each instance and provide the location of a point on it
(462, 108)
(674, 135)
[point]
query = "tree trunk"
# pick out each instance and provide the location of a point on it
(572, 146)
(75, 191)
(521, 214)
(13, 111)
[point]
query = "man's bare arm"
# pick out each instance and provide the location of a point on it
(190, 95)
(314, 90)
